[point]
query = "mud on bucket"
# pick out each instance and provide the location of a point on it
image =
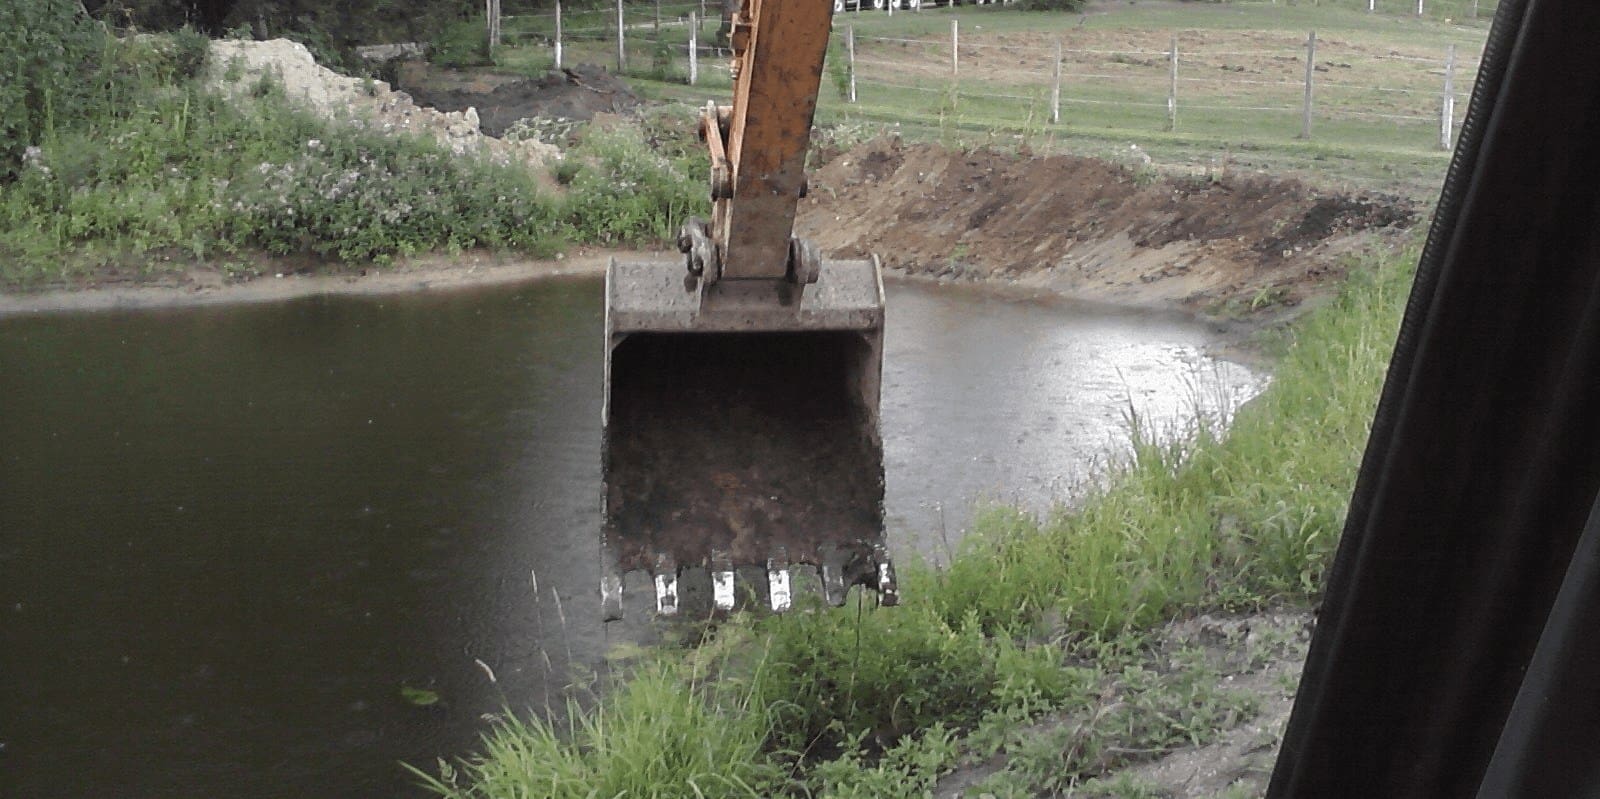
(742, 432)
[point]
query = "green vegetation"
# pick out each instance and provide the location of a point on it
(138, 166)
(1035, 620)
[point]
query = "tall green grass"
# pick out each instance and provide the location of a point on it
(1032, 616)
(665, 733)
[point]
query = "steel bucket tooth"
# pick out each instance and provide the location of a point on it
(741, 431)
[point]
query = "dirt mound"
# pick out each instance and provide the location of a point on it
(236, 67)
(1089, 228)
(577, 93)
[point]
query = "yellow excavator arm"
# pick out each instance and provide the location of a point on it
(741, 411)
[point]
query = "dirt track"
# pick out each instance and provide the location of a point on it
(1092, 229)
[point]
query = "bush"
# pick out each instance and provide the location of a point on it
(358, 198)
(461, 43)
(621, 191)
(52, 58)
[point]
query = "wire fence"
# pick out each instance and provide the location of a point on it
(1245, 85)
(1269, 88)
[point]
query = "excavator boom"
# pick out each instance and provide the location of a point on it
(742, 382)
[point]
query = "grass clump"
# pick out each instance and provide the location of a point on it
(1041, 640)
(665, 733)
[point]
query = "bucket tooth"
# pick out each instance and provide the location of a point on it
(722, 581)
(610, 585)
(779, 593)
(888, 587)
(666, 579)
(741, 429)
(833, 578)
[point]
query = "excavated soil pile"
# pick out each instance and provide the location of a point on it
(1089, 228)
(236, 67)
(577, 93)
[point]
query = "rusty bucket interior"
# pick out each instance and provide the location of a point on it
(743, 432)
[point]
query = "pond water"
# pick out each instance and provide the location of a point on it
(238, 545)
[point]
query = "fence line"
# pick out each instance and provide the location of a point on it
(1307, 83)
(1320, 97)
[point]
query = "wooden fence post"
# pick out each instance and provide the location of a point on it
(955, 50)
(558, 34)
(1311, 66)
(850, 51)
(492, 14)
(1055, 89)
(622, 45)
(1447, 107)
(1172, 85)
(694, 48)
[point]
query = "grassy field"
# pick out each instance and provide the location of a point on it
(1378, 83)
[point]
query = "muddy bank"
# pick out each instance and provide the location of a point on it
(1093, 230)
(209, 285)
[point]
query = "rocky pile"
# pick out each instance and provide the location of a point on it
(237, 67)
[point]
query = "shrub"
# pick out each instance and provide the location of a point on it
(52, 57)
(623, 192)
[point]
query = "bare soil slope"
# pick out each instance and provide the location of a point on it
(1092, 229)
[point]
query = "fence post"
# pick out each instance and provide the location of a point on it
(1372, 5)
(660, 57)
(1419, 8)
(694, 47)
(1447, 108)
(1055, 89)
(955, 51)
(1474, 9)
(1311, 65)
(622, 45)
(1172, 85)
(850, 51)
(558, 34)
(491, 13)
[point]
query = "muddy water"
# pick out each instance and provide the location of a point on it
(232, 540)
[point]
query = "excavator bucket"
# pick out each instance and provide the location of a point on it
(741, 430)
